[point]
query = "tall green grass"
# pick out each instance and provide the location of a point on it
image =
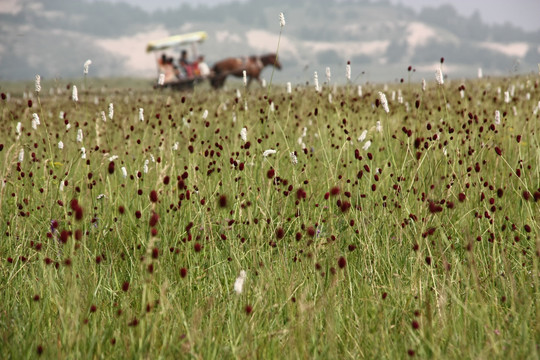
(426, 244)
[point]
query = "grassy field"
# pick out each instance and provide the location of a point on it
(366, 234)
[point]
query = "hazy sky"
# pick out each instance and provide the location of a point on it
(523, 13)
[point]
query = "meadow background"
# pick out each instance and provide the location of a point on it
(364, 234)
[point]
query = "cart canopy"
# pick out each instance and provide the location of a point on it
(176, 40)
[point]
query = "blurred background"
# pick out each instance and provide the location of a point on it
(380, 38)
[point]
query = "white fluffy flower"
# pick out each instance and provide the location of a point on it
(18, 128)
(378, 126)
(83, 153)
(103, 117)
(316, 81)
(497, 117)
(360, 90)
(161, 79)
(60, 145)
(35, 121)
(384, 102)
(281, 19)
(175, 146)
(506, 97)
(269, 152)
(366, 145)
(439, 76)
(239, 282)
(145, 167)
(21, 155)
(111, 111)
(141, 114)
(79, 135)
(243, 134)
(244, 77)
(423, 84)
(87, 64)
(294, 159)
(289, 87)
(38, 83)
(75, 94)
(205, 114)
(112, 158)
(124, 172)
(362, 136)
(328, 74)
(348, 72)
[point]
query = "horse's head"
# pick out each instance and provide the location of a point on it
(271, 59)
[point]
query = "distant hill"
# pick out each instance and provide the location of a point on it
(54, 38)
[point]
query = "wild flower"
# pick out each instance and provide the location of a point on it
(497, 117)
(238, 94)
(506, 97)
(366, 146)
(480, 73)
(87, 64)
(281, 19)
(75, 94)
(35, 121)
(269, 152)
(101, 196)
(362, 136)
(423, 85)
(439, 76)
(244, 77)
(38, 83)
(384, 102)
(145, 166)
(348, 71)
(60, 145)
(294, 160)
(111, 111)
(360, 90)
(112, 158)
(21, 156)
(18, 128)
(205, 114)
(243, 134)
(161, 79)
(175, 146)
(378, 126)
(79, 135)
(124, 172)
(141, 114)
(103, 117)
(239, 282)
(316, 81)
(289, 87)
(328, 74)
(83, 153)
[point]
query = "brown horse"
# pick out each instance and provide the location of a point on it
(253, 66)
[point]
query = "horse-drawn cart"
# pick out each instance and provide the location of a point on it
(179, 74)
